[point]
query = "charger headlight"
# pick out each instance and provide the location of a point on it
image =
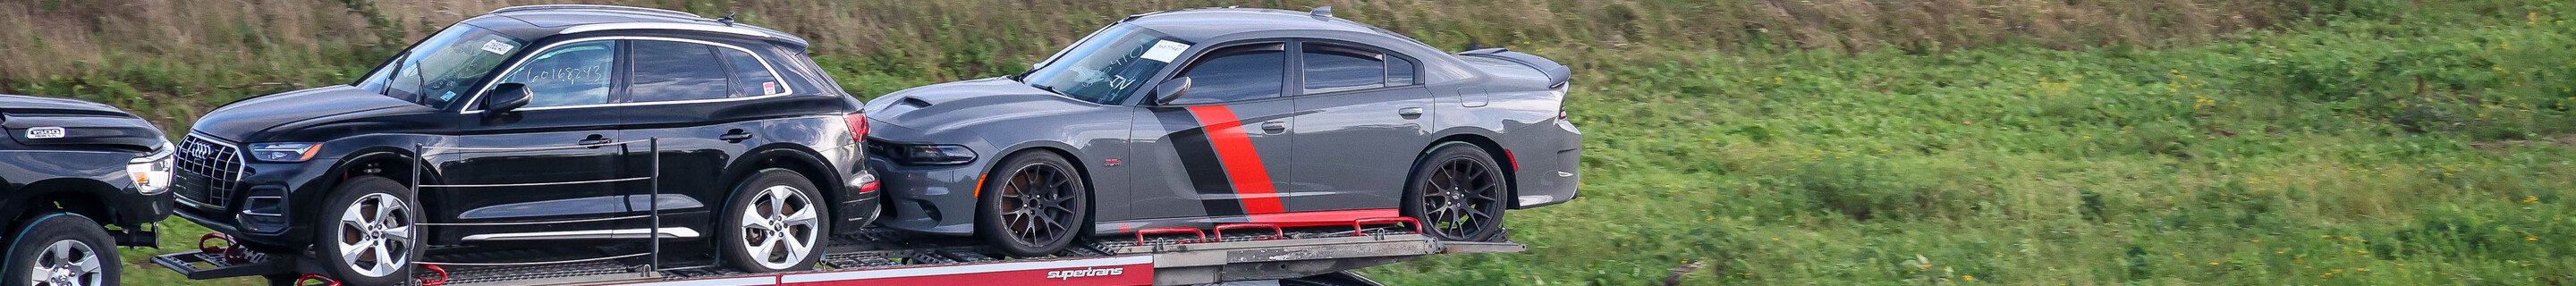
(151, 171)
(933, 154)
(284, 152)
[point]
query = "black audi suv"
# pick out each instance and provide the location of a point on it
(544, 124)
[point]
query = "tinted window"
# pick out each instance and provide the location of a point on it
(1399, 71)
(573, 74)
(751, 77)
(667, 71)
(1332, 68)
(1237, 73)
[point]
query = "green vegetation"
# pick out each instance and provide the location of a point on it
(2329, 142)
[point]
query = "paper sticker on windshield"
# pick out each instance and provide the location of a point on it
(496, 47)
(47, 132)
(1164, 51)
(769, 87)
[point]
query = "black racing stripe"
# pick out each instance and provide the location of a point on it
(1199, 159)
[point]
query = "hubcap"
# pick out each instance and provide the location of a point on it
(1037, 204)
(779, 227)
(375, 235)
(1460, 199)
(67, 263)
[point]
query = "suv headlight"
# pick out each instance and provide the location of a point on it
(151, 171)
(284, 152)
(934, 154)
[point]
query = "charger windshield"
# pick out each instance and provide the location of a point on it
(1107, 66)
(442, 68)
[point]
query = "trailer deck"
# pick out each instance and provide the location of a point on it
(886, 257)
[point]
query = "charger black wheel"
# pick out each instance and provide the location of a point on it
(776, 223)
(367, 236)
(1457, 193)
(62, 249)
(1033, 204)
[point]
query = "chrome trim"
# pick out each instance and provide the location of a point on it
(536, 222)
(531, 263)
(537, 184)
(247, 211)
(667, 232)
(783, 88)
(241, 166)
(533, 148)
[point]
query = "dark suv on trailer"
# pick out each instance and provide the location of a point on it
(67, 168)
(544, 123)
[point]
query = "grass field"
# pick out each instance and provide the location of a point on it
(2370, 142)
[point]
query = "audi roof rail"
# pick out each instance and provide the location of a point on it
(595, 7)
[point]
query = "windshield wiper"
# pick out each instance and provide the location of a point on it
(1046, 88)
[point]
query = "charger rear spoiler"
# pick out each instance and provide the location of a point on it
(1557, 74)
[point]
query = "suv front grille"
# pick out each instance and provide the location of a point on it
(209, 170)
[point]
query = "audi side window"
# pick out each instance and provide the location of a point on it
(573, 74)
(672, 71)
(1332, 68)
(1399, 71)
(1237, 73)
(751, 77)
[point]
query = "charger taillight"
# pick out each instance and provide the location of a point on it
(858, 126)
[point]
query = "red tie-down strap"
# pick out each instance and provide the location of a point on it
(433, 268)
(1358, 225)
(305, 281)
(214, 236)
(1140, 234)
(1275, 232)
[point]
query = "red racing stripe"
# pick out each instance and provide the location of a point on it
(1242, 161)
(1322, 218)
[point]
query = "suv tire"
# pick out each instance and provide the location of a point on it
(369, 234)
(75, 250)
(768, 204)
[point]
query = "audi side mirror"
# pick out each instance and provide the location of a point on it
(506, 97)
(1171, 89)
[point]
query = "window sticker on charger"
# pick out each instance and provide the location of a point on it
(496, 47)
(1165, 51)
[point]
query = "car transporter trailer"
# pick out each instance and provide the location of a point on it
(1237, 252)
(1318, 251)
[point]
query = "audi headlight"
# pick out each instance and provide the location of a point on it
(284, 152)
(933, 154)
(151, 171)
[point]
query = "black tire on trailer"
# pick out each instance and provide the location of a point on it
(1033, 204)
(69, 249)
(775, 221)
(369, 234)
(1457, 192)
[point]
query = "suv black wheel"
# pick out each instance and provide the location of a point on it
(776, 223)
(1038, 205)
(62, 249)
(1457, 193)
(369, 235)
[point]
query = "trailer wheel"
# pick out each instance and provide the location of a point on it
(62, 249)
(1036, 204)
(777, 224)
(370, 235)
(1457, 193)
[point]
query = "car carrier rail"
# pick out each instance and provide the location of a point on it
(1172, 256)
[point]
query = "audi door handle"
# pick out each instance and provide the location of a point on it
(736, 136)
(594, 141)
(1274, 127)
(1409, 112)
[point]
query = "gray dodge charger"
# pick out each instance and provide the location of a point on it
(1204, 117)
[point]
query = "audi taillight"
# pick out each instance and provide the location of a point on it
(858, 126)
